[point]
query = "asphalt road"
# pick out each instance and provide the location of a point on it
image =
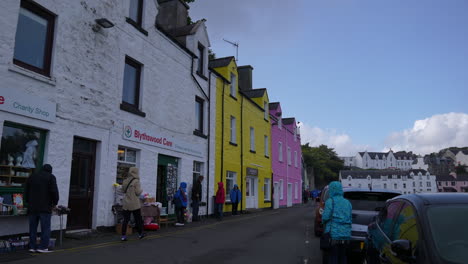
(273, 236)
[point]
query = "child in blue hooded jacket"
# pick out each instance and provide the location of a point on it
(180, 202)
(236, 197)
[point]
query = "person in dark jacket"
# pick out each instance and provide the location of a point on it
(180, 201)
(196, 197)
(337, 219)
(219, 201)
(236, 197)
(41, 195)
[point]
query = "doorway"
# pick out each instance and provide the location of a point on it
(166, 181)
(276, 196)
(81, 193)
(250, 192)
(289, 203)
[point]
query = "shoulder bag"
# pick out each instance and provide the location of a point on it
(326, 239)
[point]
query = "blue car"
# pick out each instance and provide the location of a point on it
(420, 228)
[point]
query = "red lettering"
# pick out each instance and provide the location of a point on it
(137, 133)
(2, 99)
(167, 142)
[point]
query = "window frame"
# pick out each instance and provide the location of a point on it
(49, 41)
(295, 159)
(252, 139)
(138, 66)
(139, 21)
(200, 118)
(289, 156)
(280, 151)
(267, 189)
(233, 136)
(125, 161)
(266, 143)
(231, 175)
(201, 60)
(232, 88)
(281, 187)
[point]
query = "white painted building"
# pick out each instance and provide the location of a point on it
(92, 101)
(381, 160)
(418, 164)
(411, 181)
(461, 158)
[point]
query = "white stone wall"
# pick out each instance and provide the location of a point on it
(420, 164)
(86, 85)
(388, 161)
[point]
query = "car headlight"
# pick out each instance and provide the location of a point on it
(321, 211)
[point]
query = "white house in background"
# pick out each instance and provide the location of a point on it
(381, 160)
(462, 158)
(418, 164)
(409, 181)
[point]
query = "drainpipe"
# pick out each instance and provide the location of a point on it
(222, 132)
(242, 149)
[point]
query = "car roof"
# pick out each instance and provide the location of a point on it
(435, 198)
(352, 189)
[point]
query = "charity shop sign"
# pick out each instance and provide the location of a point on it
(27, 105)
(157, 139)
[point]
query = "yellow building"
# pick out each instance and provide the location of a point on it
(242, 135)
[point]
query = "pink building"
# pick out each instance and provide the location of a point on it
(453, 183)
(286, 156)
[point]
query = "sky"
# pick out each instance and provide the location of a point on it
(358, 75)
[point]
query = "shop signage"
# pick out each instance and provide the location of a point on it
(27, 105)
(137, 134)
(252, 171)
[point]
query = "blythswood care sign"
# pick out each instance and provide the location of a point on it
(24, 104)
(161, 140)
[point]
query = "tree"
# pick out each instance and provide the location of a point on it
(324, 161)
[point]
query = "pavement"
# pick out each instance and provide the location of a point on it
(272, 236)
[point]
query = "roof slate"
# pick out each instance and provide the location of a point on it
(376, 174)
(274, 105)
(288, 121)
(221, 62)
(255, 93)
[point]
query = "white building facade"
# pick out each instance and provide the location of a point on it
(381, 160)
(411, 181)
(462, 158)
(94, 101)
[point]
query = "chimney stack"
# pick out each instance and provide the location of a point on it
(245, 77)
(172, 14)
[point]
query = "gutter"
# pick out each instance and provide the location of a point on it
(242, 149)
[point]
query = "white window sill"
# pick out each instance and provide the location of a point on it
(33, 75)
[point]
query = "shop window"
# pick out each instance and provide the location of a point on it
(34, 37)
(230, 181)
(21, 154)
(197, 170)
(126, 158)
(266, 190)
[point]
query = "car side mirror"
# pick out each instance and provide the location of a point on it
(402, 250)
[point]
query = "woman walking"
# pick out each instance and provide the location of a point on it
(337, 219)
(131, 202)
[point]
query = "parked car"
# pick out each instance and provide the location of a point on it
(420, 228)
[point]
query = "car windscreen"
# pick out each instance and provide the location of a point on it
(449, 229)
(368, 201)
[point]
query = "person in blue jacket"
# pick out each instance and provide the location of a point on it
(236, 197)
(337, 219)
(180, 202)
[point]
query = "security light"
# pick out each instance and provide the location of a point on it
(102, 23)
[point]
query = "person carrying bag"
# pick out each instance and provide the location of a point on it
(131, 202)
(337, 219)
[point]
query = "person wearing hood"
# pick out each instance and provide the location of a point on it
(180, 201)
(131, 202)
(41, 195)
(236, 197)
(219, 201)
(337, 219)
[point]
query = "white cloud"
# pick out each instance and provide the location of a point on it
(432, 134)
(341, 142)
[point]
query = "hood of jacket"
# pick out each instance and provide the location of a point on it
(133, 173)
(335, 189)
(235, 185)
(183, 186)
(47, 168)
(220, 185)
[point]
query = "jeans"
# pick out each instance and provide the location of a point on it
(34, 219)
(337, 254)
(219, 211)
(234, 208)
(195, 206)
(138, 221)
(179, 211)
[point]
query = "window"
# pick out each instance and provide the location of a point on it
(420, 184)
(428, 190)
(197, 171)
(289, 156)
(252, 139)
(404, 178)
(414, 184)
(384, 178)
(34, 38)
(280, 151)
(199, 114)
(131, 84)
(266, 190)
(281, 190)
(428, 184)
(439, 183)
(350, 178)
(359, 185)
(385, 186)
(395, 186)
(266, 144)
(404, 185)
(295, 159)
(201, 57)
(230, 181)
(453, 183)
(265, 108)
(233, 85)
(296, 191)
(126, 158)
(136, 12)
(233, 130)
(279, 123)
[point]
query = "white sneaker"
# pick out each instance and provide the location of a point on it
(179, 224)
(44, 250)
(32, 250)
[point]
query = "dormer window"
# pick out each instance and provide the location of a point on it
(368, 178)
(201, 59)
(233, 90)
(350, 178)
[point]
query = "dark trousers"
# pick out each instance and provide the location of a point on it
(34, 220)
(337, 254)
(195, 206)
(219, 211)
(234, 208)
(138, 221)
(179, 211)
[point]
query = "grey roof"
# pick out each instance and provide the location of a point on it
(460, 177)
(375, 174)
(255, 93)
(288, 121)
(374, 154)
(221, 62)
(186, 30)
(404, 155)
(274, 105)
